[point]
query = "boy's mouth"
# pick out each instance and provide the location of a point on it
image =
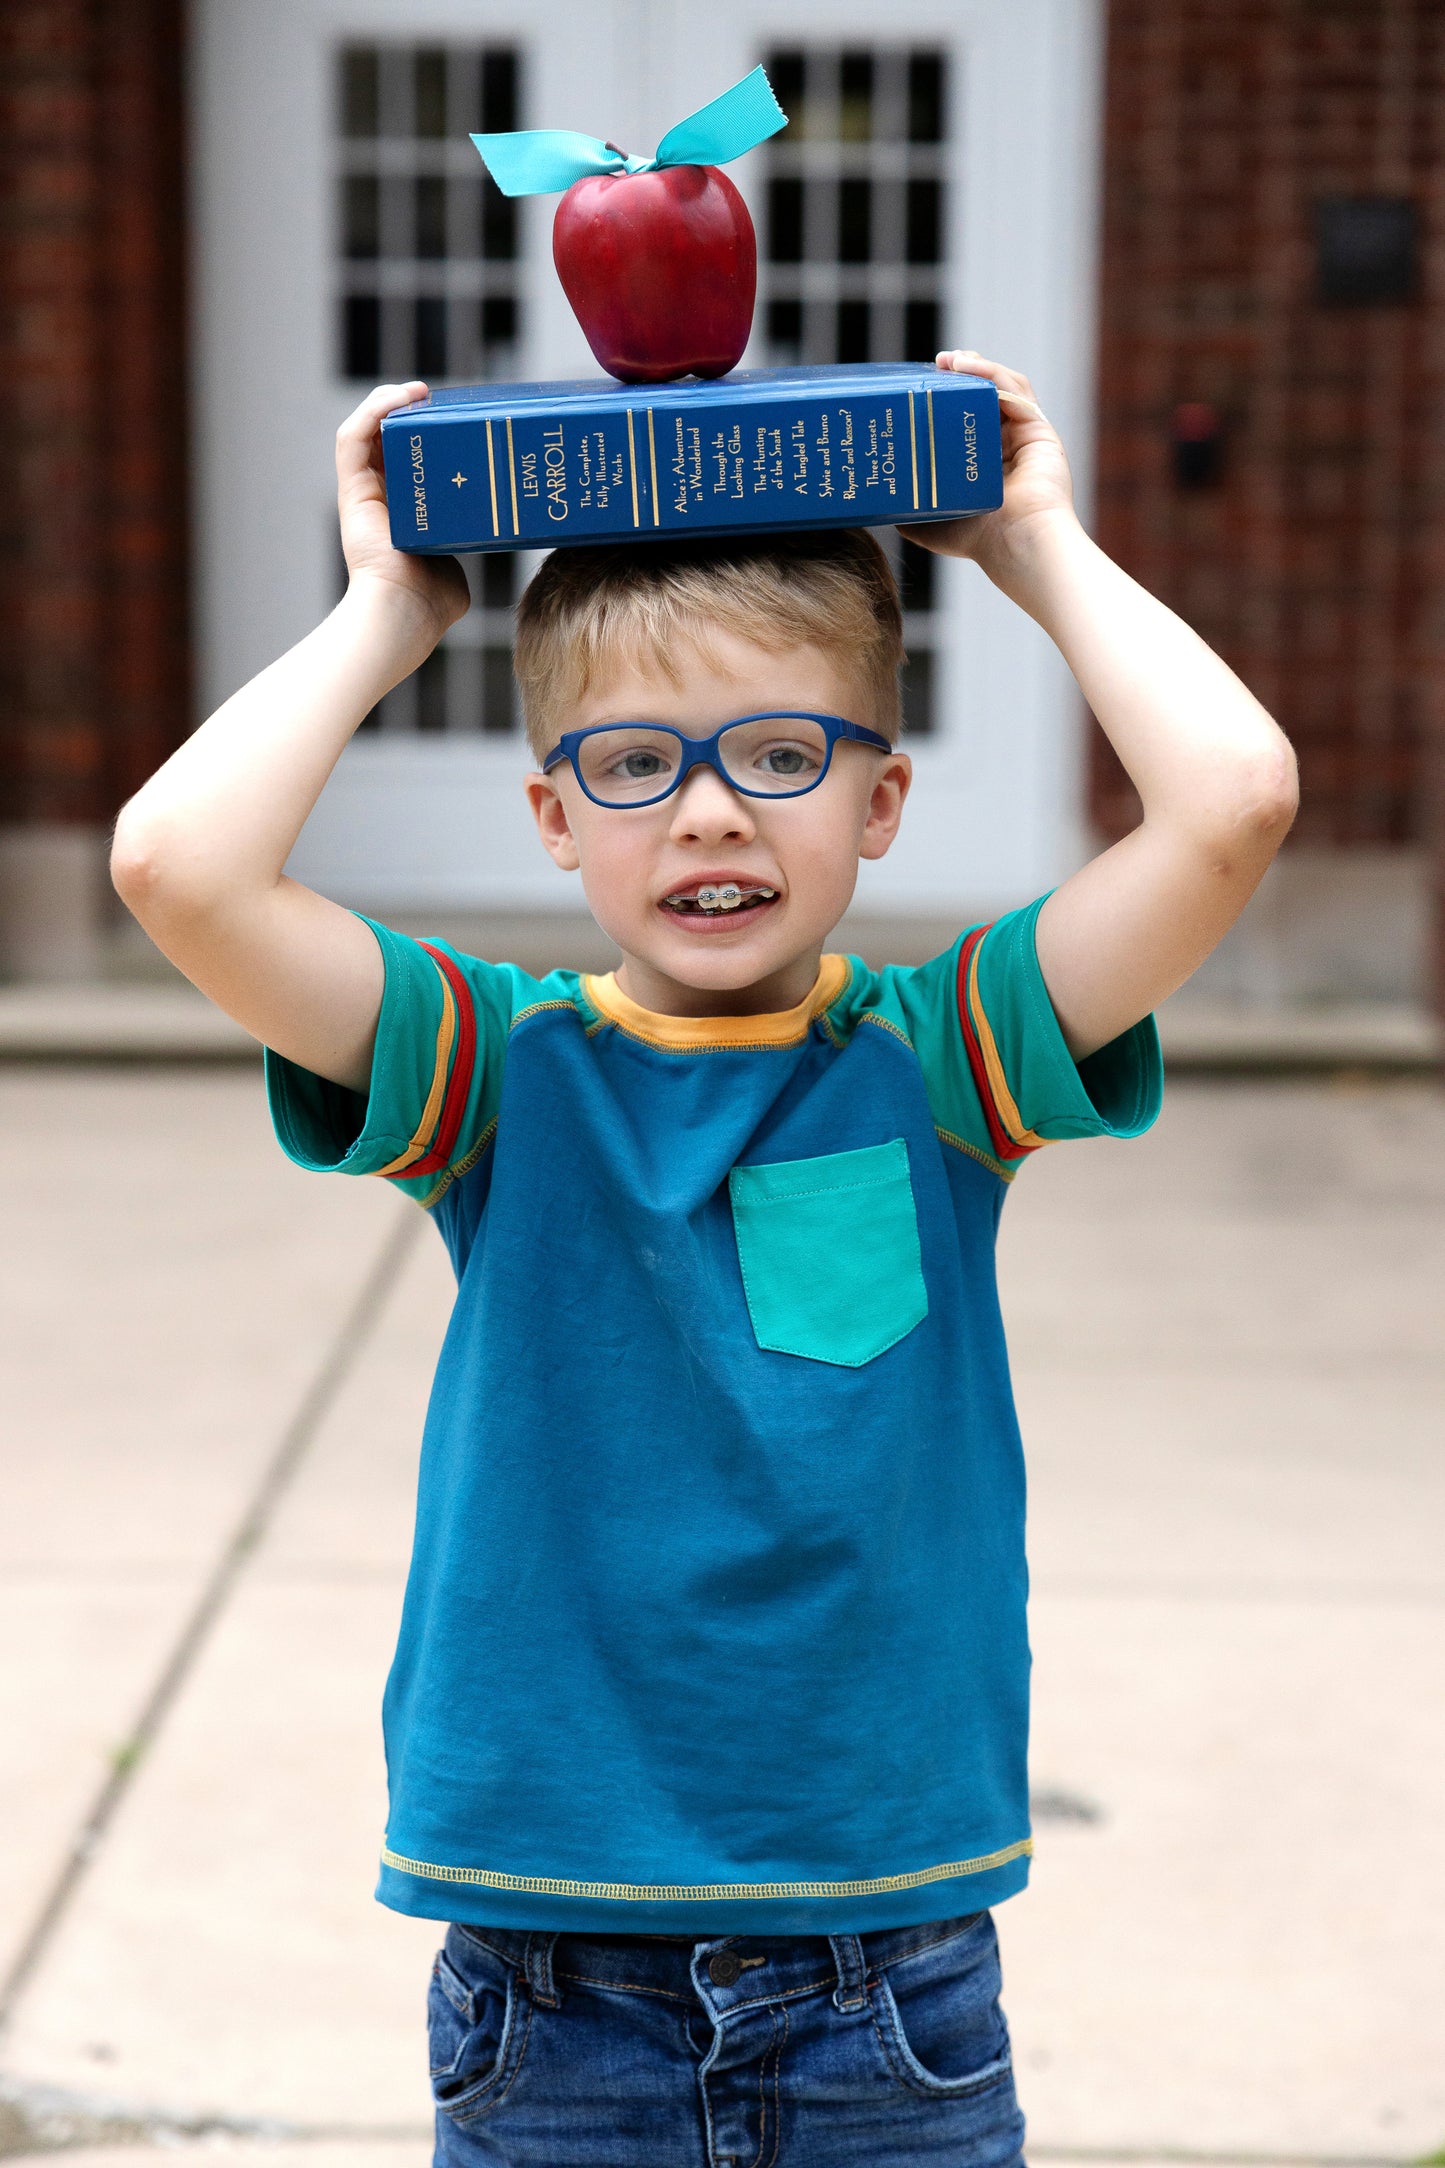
(716, 901)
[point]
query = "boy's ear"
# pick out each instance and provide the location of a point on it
(885, 806)
(550, 815)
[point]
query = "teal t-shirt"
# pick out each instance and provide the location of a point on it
(716, 1611)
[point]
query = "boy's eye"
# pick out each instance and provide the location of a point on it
(618, 765)
(775, 752)
(787, 760)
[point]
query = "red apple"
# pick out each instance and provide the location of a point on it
(661, 269)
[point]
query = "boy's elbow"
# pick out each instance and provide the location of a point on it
(1252, 820)
(137, 860)
(151, 870)
(1272, 800)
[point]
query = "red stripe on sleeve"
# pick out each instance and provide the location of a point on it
(460, 1081)
(1003, 1143)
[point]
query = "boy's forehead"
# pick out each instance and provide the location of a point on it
(704, 683)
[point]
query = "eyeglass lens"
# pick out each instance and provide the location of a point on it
(776, 756)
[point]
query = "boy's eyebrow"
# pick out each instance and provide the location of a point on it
(688, 725)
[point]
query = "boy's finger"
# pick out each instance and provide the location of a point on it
(1014, 389)
(360, 426)
(967, 361)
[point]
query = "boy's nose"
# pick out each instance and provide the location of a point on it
(706, 807)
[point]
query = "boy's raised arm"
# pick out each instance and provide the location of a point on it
(1214, 773)
(199, 850)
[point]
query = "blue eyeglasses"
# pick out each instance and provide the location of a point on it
(781, 755)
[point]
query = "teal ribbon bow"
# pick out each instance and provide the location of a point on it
(539, 161)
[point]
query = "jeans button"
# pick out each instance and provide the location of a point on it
(723, 1969)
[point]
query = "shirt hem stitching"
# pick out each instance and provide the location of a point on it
(692, 1892)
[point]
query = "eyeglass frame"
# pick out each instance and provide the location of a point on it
(706, 753)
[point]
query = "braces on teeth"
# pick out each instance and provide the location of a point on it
(727, 897)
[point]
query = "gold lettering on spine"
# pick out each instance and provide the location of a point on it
(913, 449)
(512, 477)
(932, 455)
(632, 462)
(652, 455)
(492, 476)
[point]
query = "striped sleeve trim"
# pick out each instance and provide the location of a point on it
(435, 1137)
(1010, 1134)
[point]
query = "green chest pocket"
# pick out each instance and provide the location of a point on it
(829, 1252)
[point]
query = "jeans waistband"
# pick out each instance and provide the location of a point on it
(724, 1969)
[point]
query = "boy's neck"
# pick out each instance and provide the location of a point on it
(664, 995)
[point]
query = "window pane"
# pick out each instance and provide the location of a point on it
(498, 579)
(920, 331)
(431, 215)
(499, 223)
(431, 692)
(925, 98)
(785, 330)
(785, 221)
(855, 221)
(395, 115)
(430, 337)
(853, 331)
(499, 91)
(431, 95)
(855, 98)
(361, 336)
(497, 689)
(361, 215)
(785, 73)
(918, 694)
(925, 206)
(915, 576)
(360, 91)
(499, 320)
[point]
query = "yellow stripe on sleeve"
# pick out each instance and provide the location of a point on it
(421, 1141)
(1005, 1105)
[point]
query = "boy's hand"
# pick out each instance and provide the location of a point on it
(1036, 479)
(437, 584)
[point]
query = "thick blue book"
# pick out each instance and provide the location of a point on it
(528, 466)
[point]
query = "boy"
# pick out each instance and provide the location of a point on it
(706, 1728)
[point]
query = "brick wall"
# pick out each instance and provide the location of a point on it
(1316, 561)
(94, 671)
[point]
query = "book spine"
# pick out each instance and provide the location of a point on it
(533, 477)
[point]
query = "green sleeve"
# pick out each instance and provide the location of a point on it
(435, 1074)
(999, 1075)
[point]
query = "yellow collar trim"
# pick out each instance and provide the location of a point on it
(708, 1034)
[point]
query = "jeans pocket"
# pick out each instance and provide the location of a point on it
(829, 1251)
(477, 2026)
(939, 2017)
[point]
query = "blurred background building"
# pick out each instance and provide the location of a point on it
(1211, 231)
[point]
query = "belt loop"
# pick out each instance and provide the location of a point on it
(850, 1993)
(538, 1964)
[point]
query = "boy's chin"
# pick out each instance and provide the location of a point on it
(722, 960)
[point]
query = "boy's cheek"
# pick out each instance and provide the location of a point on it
(615, 883)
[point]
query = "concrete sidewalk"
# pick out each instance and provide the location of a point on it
(1230, 1360)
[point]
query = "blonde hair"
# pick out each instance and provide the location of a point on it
(590, 610)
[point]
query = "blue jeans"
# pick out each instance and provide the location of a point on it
(739, 2051)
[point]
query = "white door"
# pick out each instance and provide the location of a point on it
(931, 189)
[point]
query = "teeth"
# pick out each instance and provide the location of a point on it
(725, 896)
